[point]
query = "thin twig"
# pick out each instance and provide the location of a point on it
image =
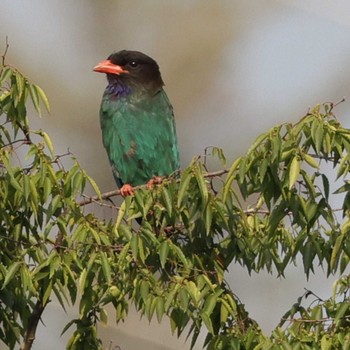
(6, 49)
(335, 104)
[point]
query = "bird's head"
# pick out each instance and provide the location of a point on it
(131, 68)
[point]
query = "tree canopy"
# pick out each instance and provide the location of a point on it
(271, 206)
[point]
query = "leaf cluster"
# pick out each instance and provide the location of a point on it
(286, 175)
(272, 205)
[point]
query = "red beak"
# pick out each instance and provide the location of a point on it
(108, 67)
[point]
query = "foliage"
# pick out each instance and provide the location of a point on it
(271, 206)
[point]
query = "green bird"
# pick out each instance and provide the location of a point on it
(137, 121)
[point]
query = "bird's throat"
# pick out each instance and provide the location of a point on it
(118, 89)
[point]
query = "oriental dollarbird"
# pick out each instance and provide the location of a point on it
(137, 121)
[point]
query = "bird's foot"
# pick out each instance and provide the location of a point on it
(157, 180)
(127, 190)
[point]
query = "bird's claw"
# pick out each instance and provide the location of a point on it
(154, 181)
(127, 190)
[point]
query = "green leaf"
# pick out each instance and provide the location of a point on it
(184, 183)
(149, 307)
(103, 316)
(326, 342)
(343, 308)
(294, 171)
(224, 313)
(144, 290)
(310, 160)
(67, 326)
(229, 179)
(78, 182)
(11, 273)
(134, 244)
(207, 321)
(208, 218)
(121, 214)
(194, 292)
(6, 73)
(317, 135)
(43, 97)
(26, 189)
(325, 183)
(141, 250)
(177, 251)
(106, 267)
(93, 184)
(217, 151)
(82, 280)
(33, 192)
(163, 253)
(167, 201)
(337, 250)
(26, 279)
(309, 253)
(15, 184)
(210, 303)
(183, 299)
(48, 142)
(159, 305)
(5, 95)
(47, 293)
(258, 141)
(20, 85)
(35, 98)
(202, 185)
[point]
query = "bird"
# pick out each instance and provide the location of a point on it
(137, 121)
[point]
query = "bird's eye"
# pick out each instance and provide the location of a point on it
(133, 64)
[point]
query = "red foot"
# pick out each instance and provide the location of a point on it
(154, 181)
(127, 190)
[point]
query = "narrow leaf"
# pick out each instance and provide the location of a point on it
(167, 201)
(103, 316)
(294, 171)
(48, 142)
(208, 218)
(159, 303)
(43, 97)
(229, 179)
(310, 160)
(163, 253)
(185, 180)
(202, 185)
(11, 272)
(106, 267)
(93, 184)
(35, 98)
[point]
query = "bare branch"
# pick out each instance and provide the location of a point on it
(6, 49)
(32, 325)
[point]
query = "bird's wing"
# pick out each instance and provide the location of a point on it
(140, 138)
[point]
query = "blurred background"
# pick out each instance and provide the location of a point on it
(232, 69)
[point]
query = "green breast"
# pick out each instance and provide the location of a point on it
(140, 137)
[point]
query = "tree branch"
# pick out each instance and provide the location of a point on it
(110, 194)
(32, 325)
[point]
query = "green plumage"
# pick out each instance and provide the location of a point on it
(139, 138)
(138, 127)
